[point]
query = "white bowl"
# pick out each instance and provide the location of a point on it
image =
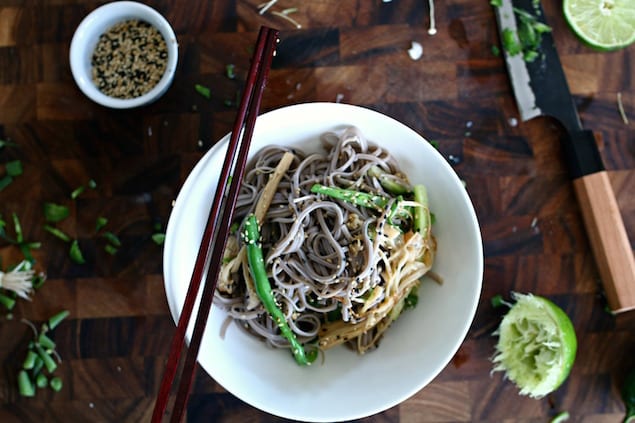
(87, 35)
(418, 345)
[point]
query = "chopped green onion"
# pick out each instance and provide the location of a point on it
(45, 342)
(92, 184)
(497, 301)
(17, 227)
(110, 249)
(5, 181)
(203, 90)
(25, 386)
(112, 238)
(55, 212)
(158, 238)
(39, 363)
(49, 363)
(56, 384)
(100, 223)
(7, 302)
(56, 319)
(560, 417)
(229, 71)
(41, 381)
(75, 253)
(497, 3)
(29, 360)
(510, 42)
(77, 192)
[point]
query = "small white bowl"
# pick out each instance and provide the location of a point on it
(98, 22)
(345, 386)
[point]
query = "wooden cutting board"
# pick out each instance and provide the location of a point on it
(115, 342)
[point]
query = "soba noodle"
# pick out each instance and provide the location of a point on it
(341, 273)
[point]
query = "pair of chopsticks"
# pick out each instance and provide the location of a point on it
(210, 253)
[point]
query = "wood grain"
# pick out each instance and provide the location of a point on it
(609, 241)
(115, 342)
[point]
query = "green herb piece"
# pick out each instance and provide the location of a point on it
(7, 302)
(229, 71)
(203, 90)
(14, 168)
(56, 384)
(92, 184)
(57, 233)
(56, 319)
(55, 212)
(497, 3)
(41, 381)
(158, 238)
(100, 223)
(496, 51)
(5, 181)
(25, 386)
(75, 253)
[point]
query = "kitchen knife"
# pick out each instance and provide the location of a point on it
(541, 89)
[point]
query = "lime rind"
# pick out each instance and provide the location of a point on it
(602, 24)
(536, 346)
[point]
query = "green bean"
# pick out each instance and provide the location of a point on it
(251, 237)
(25, 386)
(359, 198)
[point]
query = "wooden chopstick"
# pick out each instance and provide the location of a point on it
(216, 231)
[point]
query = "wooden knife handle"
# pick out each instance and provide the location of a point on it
(609, 241)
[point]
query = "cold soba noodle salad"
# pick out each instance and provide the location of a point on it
(329, 248)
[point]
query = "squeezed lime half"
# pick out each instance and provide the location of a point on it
(603, 24)
(536, 345)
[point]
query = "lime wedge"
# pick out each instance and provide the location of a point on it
(536, 345)
(603, 24)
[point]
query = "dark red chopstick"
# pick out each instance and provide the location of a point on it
(216, 230)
